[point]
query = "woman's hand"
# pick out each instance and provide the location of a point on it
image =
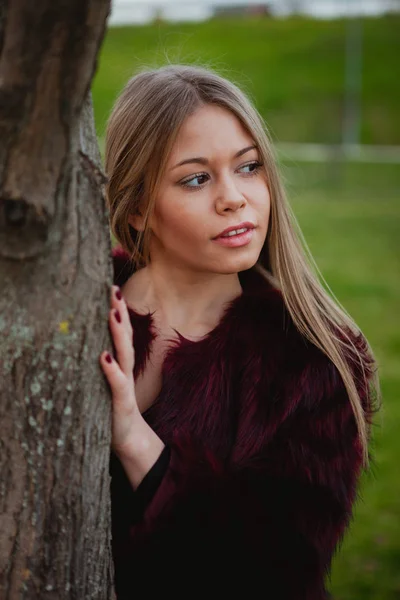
(119, 374)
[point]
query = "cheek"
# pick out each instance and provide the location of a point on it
(178, 222)
(262, 205)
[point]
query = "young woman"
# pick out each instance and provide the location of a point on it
(243, 394)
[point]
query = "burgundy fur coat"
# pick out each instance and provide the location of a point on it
(255, 487)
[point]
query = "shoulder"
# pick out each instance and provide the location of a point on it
(267, 333)
(284, 366)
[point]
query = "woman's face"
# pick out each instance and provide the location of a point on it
(213, 181)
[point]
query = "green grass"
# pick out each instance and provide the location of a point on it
(293, 69)
(349, 213)
(351, 221)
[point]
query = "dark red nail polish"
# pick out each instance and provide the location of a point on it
(118, 294)
(117, 316)
(108, 358)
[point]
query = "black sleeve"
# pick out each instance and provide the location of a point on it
(150, 483)
(128, 505)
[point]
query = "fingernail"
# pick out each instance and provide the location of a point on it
(108, 358)
(117, 316)
(118, 294)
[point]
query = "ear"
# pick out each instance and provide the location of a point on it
(137, 221)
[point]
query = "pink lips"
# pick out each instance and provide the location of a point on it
(246, 224)
(234, 241)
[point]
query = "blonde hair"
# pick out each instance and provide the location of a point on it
(141, 131)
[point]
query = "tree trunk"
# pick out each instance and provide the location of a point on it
(55, 274)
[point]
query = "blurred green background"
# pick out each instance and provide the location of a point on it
(349, 212)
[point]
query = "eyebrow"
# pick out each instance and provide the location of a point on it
(203, 161)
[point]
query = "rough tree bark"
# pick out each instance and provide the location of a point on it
(55, 278)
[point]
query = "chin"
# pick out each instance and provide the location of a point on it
(237, 264)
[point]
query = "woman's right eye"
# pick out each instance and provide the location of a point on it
(201, 178)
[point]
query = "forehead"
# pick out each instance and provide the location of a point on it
(210, 129)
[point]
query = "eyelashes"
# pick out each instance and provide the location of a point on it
(185, 183)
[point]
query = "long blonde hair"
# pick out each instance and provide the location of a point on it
(141, 131)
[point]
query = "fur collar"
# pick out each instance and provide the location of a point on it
(257, 317)
(254, 350)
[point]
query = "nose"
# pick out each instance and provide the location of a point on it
(228, 195)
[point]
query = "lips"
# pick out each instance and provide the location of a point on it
(236, 240)
(245, 225)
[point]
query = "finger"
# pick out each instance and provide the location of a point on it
(122, 342)
(116, 378)
(118, 302)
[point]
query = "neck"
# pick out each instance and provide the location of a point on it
(186, 300)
